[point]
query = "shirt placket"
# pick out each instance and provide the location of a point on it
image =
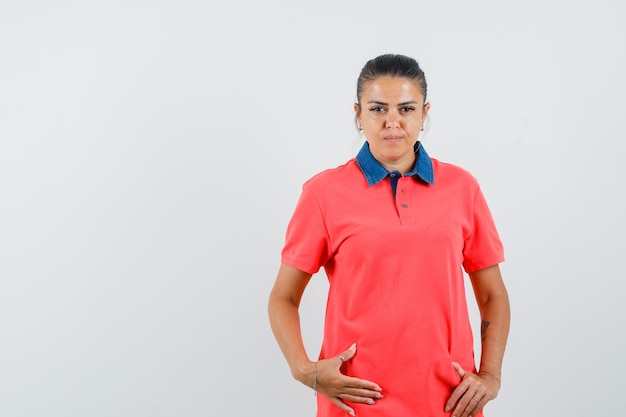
(403, 201)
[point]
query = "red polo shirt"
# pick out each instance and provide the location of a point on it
(395, 267)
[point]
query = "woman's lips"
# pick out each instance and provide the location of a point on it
(393, 138)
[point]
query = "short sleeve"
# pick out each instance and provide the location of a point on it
(482, 246)
(307, 245)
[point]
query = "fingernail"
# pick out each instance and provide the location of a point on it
(352, 413)
(353, 347)
(370, 401)
(447, 409)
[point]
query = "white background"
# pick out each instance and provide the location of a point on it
(151, 154)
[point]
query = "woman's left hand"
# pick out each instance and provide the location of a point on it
(474, 391)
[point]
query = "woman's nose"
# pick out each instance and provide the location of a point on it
(393, 121)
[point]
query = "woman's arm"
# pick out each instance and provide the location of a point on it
(324, 376)
(475, 390)
(285, 320)
(493, 303)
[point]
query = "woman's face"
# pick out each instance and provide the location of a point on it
(392, 114)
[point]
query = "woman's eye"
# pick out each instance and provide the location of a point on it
(407, 109)
(376, 109)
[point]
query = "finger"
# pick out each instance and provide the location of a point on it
(457, 394)
(357, 383)
(459, 369)
(466, 405)
(460, 389)
(357, 399)
(342, 406)
(362, 393)
(346, 355)
(479, 406)
(473, 406)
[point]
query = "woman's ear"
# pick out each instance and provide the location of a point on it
(357, 110)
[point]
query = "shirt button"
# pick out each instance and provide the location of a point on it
(405, 205)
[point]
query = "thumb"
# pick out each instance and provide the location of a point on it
(346, 355)
(459, 369)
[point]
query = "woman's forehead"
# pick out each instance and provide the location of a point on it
(392, 87)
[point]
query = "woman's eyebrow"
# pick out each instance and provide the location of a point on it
(382, 103)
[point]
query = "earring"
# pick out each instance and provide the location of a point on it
(422, 128)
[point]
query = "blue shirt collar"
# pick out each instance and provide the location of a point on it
(374, 172)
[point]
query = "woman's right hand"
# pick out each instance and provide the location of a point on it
(339, 388)
(283, 312)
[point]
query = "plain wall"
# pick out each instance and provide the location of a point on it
(152, 152)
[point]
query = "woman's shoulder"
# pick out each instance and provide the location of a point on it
(331, 176)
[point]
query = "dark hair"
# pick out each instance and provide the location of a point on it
(390, 65)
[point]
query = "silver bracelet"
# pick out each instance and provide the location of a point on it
(315, 379)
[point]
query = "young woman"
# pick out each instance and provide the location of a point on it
(394, 229)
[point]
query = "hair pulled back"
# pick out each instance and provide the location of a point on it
(391, 65)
